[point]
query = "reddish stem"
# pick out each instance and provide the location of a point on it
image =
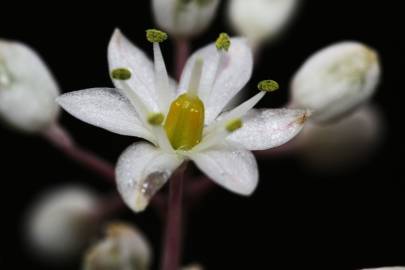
(62, 140)
(173, 232)
(182, 48)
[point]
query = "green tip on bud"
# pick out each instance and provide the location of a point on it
(121, 74)
(154, 35)
(155, 119)
(234, 125)
(268, 85)
(223, 42)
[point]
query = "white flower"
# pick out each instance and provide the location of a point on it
(335, 80)
(184, 18)
(123, 248)
(343, 144)
(260, 20)
(27, 88)
(183, 123)
(61, 223)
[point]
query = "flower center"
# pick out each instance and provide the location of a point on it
(185, 122)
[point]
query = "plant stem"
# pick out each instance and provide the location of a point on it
(62, 140)
(173, 233)
(182, 48)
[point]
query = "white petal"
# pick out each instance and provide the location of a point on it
(235, 169)
(228, 81)
(258, 20)
(184, 19)
(141, 171)
(123, 54)
(105, 108)
(27, 88)
(335, 80)
(267, 128)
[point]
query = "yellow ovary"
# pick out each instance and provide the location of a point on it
(185, 122)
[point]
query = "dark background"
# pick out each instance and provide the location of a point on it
(295, 219)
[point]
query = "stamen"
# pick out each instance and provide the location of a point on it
(162, 85)
(268, 85)
(233, 125)
(156, 119)
(195, 77)
(121, 74)
(154, 35)
(242, 109)
(223, 42)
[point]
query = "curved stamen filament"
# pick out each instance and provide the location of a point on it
(196, 73)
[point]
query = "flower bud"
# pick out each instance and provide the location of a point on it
(124, 247)
(61, 223)
(341, 145)
(27, 88)
(335, 80)
(260, 20)
(184, 18)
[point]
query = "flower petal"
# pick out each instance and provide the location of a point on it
(141, 171)
(233, 168)
(267, 128)
(219, 85)
(105, 108)
(27, 88)
(123, 54)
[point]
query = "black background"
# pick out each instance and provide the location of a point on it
(295, 219)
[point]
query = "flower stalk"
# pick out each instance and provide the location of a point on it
(173, 231)
(62, 140)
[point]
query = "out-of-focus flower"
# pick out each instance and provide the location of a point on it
(187, 123)
(184, 18)
(193, 267)
(27, 88)
(260, 20)
(123, 248)
(336, 80)
(341, 145)
(61, 223)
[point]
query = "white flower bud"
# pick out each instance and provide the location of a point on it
(260, 20)
(123, 248)
(27, 88)
(184, 18)
(335, 80)
(62, 222)
(341, 145)
(193, 267)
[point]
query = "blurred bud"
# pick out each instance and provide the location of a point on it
(184, 18)
(341, 145)
(193, 267)
(260, 20)
(27, 88)
(62, 222)
(335, 80)
(123, 248)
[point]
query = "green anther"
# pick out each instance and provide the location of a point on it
(223, 42)
(121, 74)
(154, 35)
(156, 119)
(233, 125)
(268, 85)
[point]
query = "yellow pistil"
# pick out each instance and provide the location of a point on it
(185, 122)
